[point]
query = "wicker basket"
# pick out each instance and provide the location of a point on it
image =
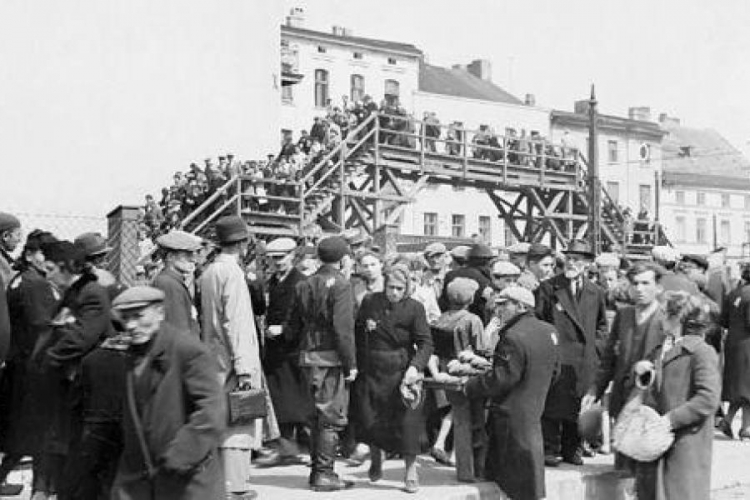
(641, 433)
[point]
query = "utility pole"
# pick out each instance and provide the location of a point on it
(595, 192)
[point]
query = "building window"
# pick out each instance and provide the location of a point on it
(392, 91)
(612, 151)
(321, 88)
(644, 196)
(510, 238)
(358, 87)
(391, 60)
(725, 232)
(700, 198)
(700, 231)
(485, 228)
(287, 94)
(680, 229)
(613, 188)
(430, 224)
(724, 200)
(358, 55)
(322, 50)
(458, 225)
(679, 197)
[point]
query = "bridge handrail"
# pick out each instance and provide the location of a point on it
(209, 201)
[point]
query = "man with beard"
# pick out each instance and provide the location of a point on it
(576, 307)
(179, 250)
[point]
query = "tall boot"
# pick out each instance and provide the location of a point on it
(323, 476)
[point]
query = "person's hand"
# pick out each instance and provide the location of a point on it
(411, 376)
(588, 401)
(244, 382)
(352, 376)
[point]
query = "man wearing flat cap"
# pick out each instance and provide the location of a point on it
(434, 276)
(517, 254)
(477, 269)
(10, 238)
(667, 258)
(322, 327)
(175, 408)
(576, 307)
(229, 331)
(524, 363)
(539, 267)
(179, 250)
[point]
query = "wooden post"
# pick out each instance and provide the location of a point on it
(594, 188)
(377, 219)
(342, 172)
(462, 439)
(466, 152)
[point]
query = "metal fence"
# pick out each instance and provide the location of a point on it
(64, 226)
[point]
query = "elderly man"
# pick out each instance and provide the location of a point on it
(504, 275)
(285, 381)
(525, 360)
(10, 238)
(540, 265)
(176, 411)
(667, 257)
(228, 328)
(576, 307)
(322, 325)
(434, 276)
(180, 250)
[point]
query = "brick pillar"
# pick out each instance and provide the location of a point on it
(386, 237)
(123, 238)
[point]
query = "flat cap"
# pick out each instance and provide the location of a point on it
(664, 253)
(522, 247)
(460, 252)
(137, 297)
(538, 251)
(435, 249)
(480, 251)
(517, 293)
(608, 259)
(698, 260)
(8, 222)
(505, 268)
(461, 291)
(179, 241)
(355, 236)
(579, 247)
(280, 246)
(92, 244)
(231, 229)
(332, 249)
(62, 251)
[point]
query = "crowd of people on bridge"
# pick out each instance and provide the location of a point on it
(342, 351)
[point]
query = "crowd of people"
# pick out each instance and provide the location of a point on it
(342, 351)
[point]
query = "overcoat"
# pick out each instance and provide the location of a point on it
(687, 390)
(736, 319)
(581, 326)
(29, 389)
(622, 351)
(524, 364)
(179, 309)
(182, 410)
(4, 322)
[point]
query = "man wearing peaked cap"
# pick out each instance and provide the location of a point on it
(540, 265)
(504, 274)
(477, 269)
(174, 377)
(176, 279)
(517, 253)
(459, 256)
(434, 276)
(10, 238)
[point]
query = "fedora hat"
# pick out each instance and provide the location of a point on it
(579, 247)
(231, 229)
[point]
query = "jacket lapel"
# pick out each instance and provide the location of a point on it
(566, 301)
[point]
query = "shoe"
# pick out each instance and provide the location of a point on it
(552, 460)
(248, 495)
(574, 459)
(744, 434)
(329, 482)
(10, 489)
(276, 459)
(375, 473)
(725, 428)
(441, 457)
(411, 486)
(358, 457)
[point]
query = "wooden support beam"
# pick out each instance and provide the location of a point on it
(415, 189)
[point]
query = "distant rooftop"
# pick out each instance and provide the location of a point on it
(342, 37)
(461, 83)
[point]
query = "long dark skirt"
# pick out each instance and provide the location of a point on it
(290, 396)
(381, 419)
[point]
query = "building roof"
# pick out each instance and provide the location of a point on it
(607, 122)
(371, 43)
(702, 158)
(461, 83)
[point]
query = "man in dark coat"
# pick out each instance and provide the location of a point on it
(179, 258)
(577, 309)
(175, 408)
(322, 324)
(524, 365)
(280, 358)
(477, 269)
(4, 323)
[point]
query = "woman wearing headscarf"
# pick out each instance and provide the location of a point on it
(686, 393)
(26, 416)
(394, 345)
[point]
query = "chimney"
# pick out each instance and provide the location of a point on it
(296, 18)
(530, 100)
(337, 30)
(346, 32)
(640, 113)
(581, 107)
(667, 121)
(481, 68)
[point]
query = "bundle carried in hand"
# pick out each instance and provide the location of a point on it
(468, 363)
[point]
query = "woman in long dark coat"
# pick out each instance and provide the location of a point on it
(686, 393)
(393, 346)
(26, 391)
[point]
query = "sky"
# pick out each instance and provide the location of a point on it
(686, 58)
